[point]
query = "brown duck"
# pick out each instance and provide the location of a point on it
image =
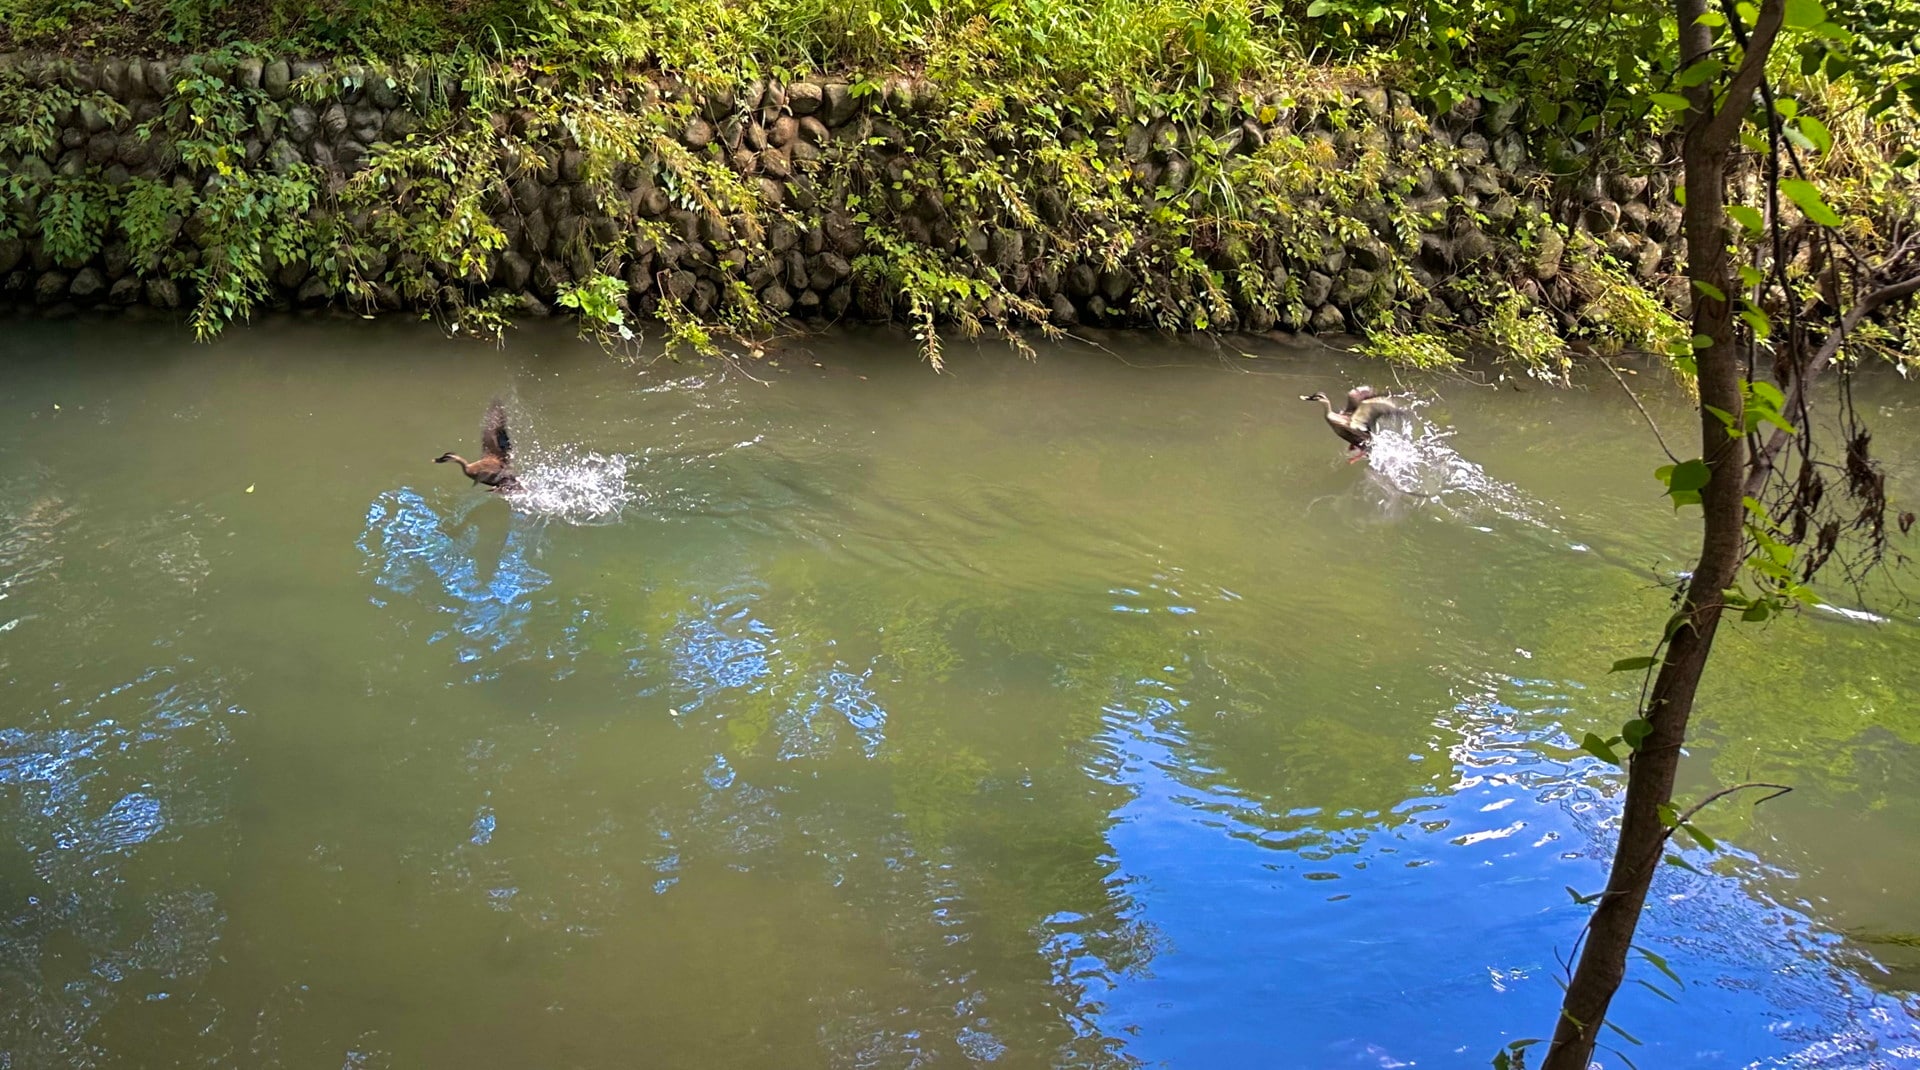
(1355, 424)
(494, 469)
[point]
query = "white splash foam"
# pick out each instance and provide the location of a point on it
(1418, 462)
(572, 486)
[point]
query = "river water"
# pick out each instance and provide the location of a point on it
(1081, 712)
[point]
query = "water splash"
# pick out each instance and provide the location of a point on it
(573, 486)
(1416, 461)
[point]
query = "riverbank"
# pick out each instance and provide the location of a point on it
(219, 184)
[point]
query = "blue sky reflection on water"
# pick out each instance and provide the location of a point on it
(1067, 713)
(1410, 938)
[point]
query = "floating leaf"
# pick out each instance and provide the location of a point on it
(1807, 196)
(1630, 664)
(249, 488)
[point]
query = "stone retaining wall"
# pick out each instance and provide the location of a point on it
(1466, 177)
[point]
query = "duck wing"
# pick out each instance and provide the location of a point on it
(1372, 412)
(494, 441)
(1357, 395)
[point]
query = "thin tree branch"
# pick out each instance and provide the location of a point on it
(1687, 815)
(1658, 437)
(1753, 67)
(1760, 468)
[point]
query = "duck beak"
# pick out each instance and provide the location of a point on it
(1306, 397)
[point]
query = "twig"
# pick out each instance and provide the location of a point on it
(1658, 437)
(1778, 790)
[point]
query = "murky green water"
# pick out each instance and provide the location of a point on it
(1077, 713)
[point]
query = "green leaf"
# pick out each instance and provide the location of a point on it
(1805, 14)
(1750, 276)
(1697, 73)
(1817, 132)
(1681, 863)
(1670, 101)
(1631, 1039)
(1630, 664)
(1705, 841)
(1659, 963)
(1787, 107)
(1318, 8)
(1689, 475)
(1800, 140)
(1807, 196)
(1583, 900)
(1599, 748)
(1768, 394)
(1758, 322)
(1707, 289)
(1907, 158)
(1756, 612)
(1679, 620)
(1669, 816)
(1684, 481)
(1655, 989)
(1635, 732)
(1702, 341)
(1711, 18)
(1747, 217)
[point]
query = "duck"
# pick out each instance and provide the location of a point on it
(1356, 423)
(494, 469)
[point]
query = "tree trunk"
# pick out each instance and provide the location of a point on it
(1651, 772)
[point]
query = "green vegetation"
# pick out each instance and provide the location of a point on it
(1207, 154)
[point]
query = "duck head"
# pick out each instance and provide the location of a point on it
(1315, 396)
(444, 458)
